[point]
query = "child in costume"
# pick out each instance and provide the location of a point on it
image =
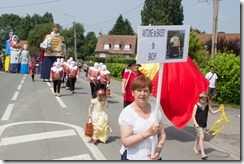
(101, 128)
(32, 68)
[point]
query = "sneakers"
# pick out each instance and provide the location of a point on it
(55, 94)
(58, 95)
(71, 92)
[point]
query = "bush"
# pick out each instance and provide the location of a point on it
(227, 67)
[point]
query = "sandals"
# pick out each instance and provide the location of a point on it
(196, 151)
(204, 157)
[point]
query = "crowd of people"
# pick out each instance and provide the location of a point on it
(139, 120)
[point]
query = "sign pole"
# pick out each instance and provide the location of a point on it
(160, 81)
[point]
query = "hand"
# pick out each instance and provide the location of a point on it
(123, 91)
(154, 129)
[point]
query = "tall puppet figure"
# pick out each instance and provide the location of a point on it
(53, 47)
(25, 58)
(15, 55)
(7, 52)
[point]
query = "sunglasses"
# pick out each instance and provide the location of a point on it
(203, 97)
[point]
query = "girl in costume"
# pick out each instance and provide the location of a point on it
(101, 128)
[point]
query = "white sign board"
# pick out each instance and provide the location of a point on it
(162, 44)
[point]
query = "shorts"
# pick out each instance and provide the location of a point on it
(212, 91)
(200, 132)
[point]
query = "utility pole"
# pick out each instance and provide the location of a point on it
(75, 49)
(215, 27)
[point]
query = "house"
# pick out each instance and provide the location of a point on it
(122, 45)
(208, 37)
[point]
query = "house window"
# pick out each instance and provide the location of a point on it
(106, 46)
(117, 47)
(127, 46)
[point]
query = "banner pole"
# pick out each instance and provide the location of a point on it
(159, 89)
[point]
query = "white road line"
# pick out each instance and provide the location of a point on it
(78, 157)
(7, 112)
(22, 81)
(19, 87)
(80, 131)
(15, 95)
(37, 136)
(60, 101)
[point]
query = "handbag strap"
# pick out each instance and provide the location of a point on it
(127, 79)
(211, 77)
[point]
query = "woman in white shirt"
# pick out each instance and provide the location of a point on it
(138, 124)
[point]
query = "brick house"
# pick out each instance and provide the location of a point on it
(208, 37)
(122, 45)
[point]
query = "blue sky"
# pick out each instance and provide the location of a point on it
(101, 15)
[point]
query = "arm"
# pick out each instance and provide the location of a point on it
(123, 86)
(161, 141)
(212, 111)
(90, 109)
(194, 116)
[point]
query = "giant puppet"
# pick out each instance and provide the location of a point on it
(15, 55)
(7, 52)
(24, 59)
(54, 48)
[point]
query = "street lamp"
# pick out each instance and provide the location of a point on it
(74, 35)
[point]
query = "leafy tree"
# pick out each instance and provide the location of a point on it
(121, 27)
(89, 45)
(162, 12)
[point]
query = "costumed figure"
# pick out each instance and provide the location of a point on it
(15, 55)
(56, 74)
(25, 58)
(101, 128)
(94, 76)
(7, 52)
(53, 46)
(104, 78)
(73, 72)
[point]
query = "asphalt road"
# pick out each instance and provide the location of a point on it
(36, 125)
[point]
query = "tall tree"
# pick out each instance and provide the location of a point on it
(89, 45)
(121, 27)
(162, 12)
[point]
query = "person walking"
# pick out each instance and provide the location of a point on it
(32, 69)
(101, 128)
(212, 77)
(127, 79)
(56, 74)
(73, 73)
(200, 117)
(138, 124)
(94, 76)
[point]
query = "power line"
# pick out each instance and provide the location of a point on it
(34, 4)
(116, 17)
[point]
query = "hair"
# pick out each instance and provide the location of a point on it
(56, 25)
(141, 81)
(100, 92)
(211, 66)
(205, 94)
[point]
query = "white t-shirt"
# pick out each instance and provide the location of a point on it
(212, 80)
(129, 117)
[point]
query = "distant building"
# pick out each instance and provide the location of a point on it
(121, 45)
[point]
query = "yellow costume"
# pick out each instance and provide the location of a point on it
(101, 129)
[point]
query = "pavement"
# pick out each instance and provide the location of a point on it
(228, 140)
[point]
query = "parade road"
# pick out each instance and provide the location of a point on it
(36, 125)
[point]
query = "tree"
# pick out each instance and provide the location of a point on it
(121, 27)
(89, 45)
(162, 12)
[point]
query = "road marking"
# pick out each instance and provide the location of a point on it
(7, 112)
(15, 95)
(60, 101)
(78, 157)
(22, 81)
(80, 131)
(35, 137)
(19, 87)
